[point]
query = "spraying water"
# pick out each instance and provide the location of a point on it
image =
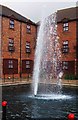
(47, 63)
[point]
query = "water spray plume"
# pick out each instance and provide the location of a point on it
(48, 60)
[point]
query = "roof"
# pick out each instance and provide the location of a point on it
(7, 12)
(69, 13)
(38, 23)
(66, 14)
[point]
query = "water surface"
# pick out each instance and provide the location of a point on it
(22, 104)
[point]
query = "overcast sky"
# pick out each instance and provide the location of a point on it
(33, 10)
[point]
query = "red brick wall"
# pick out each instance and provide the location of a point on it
(69, 35)
(15, 33)
(0, 49)
(11, 33)
(28, 37)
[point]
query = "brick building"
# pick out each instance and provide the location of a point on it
(17, 43)
(67, 22)
(67, 28)
(18, 37)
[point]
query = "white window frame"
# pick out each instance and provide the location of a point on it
(10, 64)
(27, 64)
(28, 28)
(65, 46)
(65, 65)
(12, 23)
(11, 42)
(65, 26)
(27, 47)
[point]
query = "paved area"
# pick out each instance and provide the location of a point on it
(14, 82)
(70, 82)
(29, 81)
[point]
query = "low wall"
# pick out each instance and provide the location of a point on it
(70, 82)
(29, 81)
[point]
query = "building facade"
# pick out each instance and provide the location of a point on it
(18, 40)
(67, 22)
(67, 30)
(18, 36)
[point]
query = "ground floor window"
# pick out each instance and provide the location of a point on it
(65, 65)
(27, 66)
(69, 67)
(10, 66)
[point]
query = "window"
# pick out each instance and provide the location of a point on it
(11, 23)
(11, 42)
(65, 26)
(27, 64)
(28, 29)
(65, 48)
(65, 65)
(11, 45)
(28, 47)
(10, 64)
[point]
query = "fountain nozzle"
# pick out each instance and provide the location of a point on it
(35, 95)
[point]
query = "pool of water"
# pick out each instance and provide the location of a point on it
(22, 104)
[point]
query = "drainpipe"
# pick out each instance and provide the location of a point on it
(1, 35)
(75, 67)
(20, 48)
(76, 39)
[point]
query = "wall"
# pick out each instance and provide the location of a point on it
(20, 36)
(69, 35)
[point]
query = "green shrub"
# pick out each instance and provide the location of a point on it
(71, 77)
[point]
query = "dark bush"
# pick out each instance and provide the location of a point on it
(71, 77)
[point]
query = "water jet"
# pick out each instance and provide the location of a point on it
(48, 60)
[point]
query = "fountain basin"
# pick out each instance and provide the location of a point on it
(51, 96)
(23, 104)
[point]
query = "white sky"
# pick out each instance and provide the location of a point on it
(33, 9)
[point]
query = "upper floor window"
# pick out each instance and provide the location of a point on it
(65, 48)
(28, 28)
(11, 45)
(28, 47)
(10, 64)
(11, 42)
(65, 26)
(12, 23)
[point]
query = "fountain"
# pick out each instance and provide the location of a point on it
(47, 100)
(48, 60)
